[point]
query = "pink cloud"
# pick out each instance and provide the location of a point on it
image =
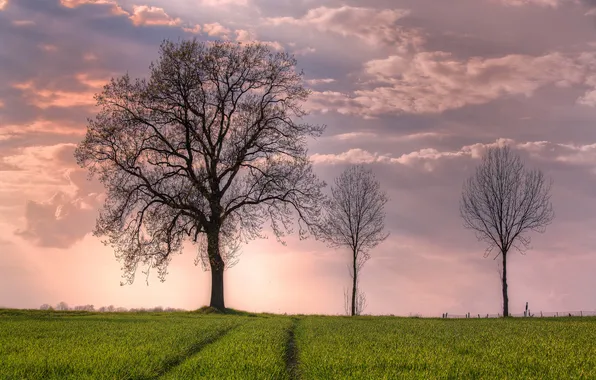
(60, 221)
(318, 81)
(23, 22)
(45, 97)
(216, 29)
(544, 3)
(69, 214)
(41, 125)
(225, 3)
(149, 15)
(246, 36)
(378, 27)
(115, 8)
(433, 82)
(48, 47)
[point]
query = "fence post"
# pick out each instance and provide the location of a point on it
(581, 313)
(540, 313)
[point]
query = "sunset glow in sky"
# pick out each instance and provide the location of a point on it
(413, 89)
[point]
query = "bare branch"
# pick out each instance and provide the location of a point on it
(208, 148)
(355, 218)
(502, 202)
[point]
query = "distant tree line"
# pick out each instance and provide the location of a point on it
(63, 306)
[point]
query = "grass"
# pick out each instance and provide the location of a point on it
(256, 350)
(59, 345)
(382, 347)
(239, 345)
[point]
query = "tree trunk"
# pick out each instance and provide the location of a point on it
(354, 282)
(217, 270)
(504, 280)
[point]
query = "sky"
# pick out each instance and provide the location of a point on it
(415, 90)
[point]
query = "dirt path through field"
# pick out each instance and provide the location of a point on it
(292, 353)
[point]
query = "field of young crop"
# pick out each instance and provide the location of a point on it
(62, 345)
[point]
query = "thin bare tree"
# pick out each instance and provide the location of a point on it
(355, 219)
(504, 201)
(207, 149)
(360, 301)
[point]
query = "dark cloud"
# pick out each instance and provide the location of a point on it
(59, 222)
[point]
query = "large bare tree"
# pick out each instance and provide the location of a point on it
(355, 219)
(207, 149)
(504, 201)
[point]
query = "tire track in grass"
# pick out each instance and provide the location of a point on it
(195, 349)
(292, 352)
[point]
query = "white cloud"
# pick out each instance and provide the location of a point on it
(3, 4)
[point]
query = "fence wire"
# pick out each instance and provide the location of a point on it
(529, 314)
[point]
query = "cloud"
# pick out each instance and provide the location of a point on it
(355, 136)
(246, 36)
(433, 82)
(60, 221)
(40, 125)
(421, 158)
(48, 47)
(544, 3)
(219, 3)
(428, 159)
(318, 81)
(149, 15)
(378, 27)
(115, 9)
(45, 98)
(23, 22)
(194, 30)
(216, 29)
(3, 4)
(69, 214)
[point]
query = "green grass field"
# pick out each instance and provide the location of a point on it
(80, 345)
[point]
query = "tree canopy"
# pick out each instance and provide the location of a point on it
(207, 149)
